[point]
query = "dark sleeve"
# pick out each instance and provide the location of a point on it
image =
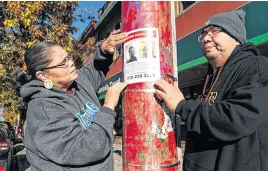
(62, 139)
(237, 116)
(98, 67)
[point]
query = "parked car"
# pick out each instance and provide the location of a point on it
(7, 142)
(6, 149)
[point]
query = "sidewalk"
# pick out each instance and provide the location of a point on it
(117, 149)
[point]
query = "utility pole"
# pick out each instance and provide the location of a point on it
(148, 137)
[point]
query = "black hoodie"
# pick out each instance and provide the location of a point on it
(229, 132)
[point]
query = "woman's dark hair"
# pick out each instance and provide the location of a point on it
(36, 58)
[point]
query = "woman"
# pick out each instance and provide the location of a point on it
(67, 128)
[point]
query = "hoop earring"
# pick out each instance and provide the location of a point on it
(48, 84)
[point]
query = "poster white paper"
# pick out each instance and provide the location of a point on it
(141, 56)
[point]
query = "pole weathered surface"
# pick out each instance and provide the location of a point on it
(148, 138)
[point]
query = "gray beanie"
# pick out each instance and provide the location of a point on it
(232, 22)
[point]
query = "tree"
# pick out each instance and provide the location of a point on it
(23, 24)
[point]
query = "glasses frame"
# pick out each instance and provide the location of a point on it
(215, 29)
(65, 65)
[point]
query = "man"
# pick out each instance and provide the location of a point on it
(132, 56)
(228, 129)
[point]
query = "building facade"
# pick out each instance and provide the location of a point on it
(190, 17)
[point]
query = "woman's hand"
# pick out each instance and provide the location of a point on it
(112, 95)
(170, 94)
(113, 40)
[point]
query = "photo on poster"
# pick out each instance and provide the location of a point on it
(147, 49)
(141, 56)
(131, 50)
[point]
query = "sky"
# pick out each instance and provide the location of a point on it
(1, 112)
(95, 5)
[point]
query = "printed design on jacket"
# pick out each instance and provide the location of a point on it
(212, 97)
(86, 114)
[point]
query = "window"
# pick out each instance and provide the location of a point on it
(181, 6)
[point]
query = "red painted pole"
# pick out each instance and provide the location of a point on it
(148, 138)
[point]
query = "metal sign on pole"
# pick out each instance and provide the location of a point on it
(148, 137)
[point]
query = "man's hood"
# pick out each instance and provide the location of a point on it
(241, 51)
(247, 48)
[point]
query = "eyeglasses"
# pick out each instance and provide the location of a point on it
(63, 64)
(211, 31)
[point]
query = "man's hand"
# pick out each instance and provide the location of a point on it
(170, 94)
(112, 41)
(112, 95)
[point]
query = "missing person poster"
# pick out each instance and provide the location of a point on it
(141, 56)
